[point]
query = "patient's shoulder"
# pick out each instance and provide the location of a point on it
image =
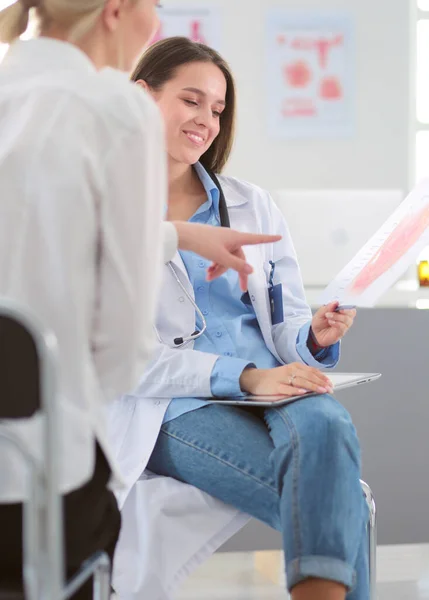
(237, 189)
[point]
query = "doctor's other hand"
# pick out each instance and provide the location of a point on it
(295, 379)
(222, 245)
(330, 326)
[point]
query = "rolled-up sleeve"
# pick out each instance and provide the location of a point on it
(327, 358)
(225, 377)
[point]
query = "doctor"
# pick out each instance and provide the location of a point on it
(83, 186)
(296, 468)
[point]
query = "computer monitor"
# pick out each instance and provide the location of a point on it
(328, 227)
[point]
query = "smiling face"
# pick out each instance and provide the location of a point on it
(195, 90)
(192, 103)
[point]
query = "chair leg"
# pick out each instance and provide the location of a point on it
(372, 539)
(33, 552)
(102, 579)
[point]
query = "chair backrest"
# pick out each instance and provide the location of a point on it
(28, 374)
(19, 370)
(28, 363)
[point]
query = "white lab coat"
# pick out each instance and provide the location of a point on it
(82, 189)
(169, 527)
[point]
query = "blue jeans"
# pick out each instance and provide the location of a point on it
(295, 468)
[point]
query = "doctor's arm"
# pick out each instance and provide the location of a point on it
(190, 373)
(295, 338)
(222, 245)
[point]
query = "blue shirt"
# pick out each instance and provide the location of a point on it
(233, 330)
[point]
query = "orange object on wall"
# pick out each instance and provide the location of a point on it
(423, 272)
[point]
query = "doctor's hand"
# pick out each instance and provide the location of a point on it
(295, 379)
(329, 326)
(222, 245)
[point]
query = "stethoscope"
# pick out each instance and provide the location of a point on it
(181, 342)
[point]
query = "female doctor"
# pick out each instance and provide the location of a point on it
(83, 181)
(209, 466)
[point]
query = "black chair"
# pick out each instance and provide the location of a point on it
(28, 372)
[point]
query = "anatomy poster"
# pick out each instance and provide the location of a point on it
(387, 255)
(200, 24)
(311, 74)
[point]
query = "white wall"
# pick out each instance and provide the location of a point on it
(377, 155)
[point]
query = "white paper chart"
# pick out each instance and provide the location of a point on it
(386, 256)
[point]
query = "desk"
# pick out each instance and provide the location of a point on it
(391, 416)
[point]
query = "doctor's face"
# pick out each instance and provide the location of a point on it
(192, 103)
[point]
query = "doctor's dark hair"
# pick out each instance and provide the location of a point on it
(160, 63)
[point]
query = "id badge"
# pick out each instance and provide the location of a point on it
(276, 303)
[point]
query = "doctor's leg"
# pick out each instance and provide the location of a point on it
(229, 453)
(324, 515)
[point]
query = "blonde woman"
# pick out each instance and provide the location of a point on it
(83, 185)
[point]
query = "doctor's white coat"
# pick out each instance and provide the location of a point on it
(169, 527)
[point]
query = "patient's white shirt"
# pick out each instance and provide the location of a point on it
(82, 193)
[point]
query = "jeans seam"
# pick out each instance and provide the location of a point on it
(222, 460)
(295, 478)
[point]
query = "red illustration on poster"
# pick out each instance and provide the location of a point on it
(196, 33)
(331, 89)
(298, 74)
(198, 24)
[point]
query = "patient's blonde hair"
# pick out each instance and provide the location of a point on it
(75, 16)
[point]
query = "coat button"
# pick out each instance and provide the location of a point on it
(218, 334)
(205, 313)
(201, 264)
(181, 299)
(252, 298)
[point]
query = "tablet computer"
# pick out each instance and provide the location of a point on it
(340, 381)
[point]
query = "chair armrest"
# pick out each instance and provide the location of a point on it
(99, 566)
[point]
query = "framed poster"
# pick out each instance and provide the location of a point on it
(311, 74)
